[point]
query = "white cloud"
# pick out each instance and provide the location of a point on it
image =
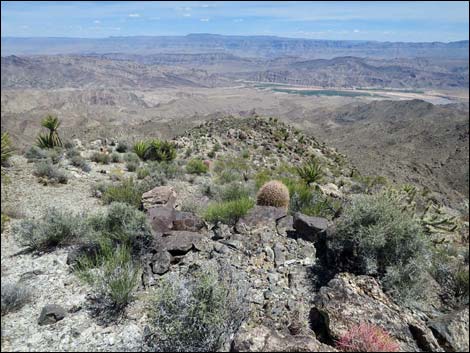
(356, 31)
(238, 20)
(134, 15)
(97, 22)
(187, 15)
(204, 19)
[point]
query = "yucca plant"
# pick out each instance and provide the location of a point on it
(159, 150)
(7, 149)
(140, 147)
(310, 172)
(52, 139)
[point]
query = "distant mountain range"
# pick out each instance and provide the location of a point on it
(245, 46)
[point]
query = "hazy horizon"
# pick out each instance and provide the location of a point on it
(365, 21)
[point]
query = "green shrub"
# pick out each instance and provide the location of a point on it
(122, 147)
(140, 148)
(7, 149)
(311, 201)
(80, 162)
(197, 313)
(56, 228)
(14, 296)
(132, 166)
(54, 155)
(72, 152)
(51, 139)
(310, 172)
(374, 236)
(126, 191)
(116, 157)
(160, 151)
(196, 166)
(228, 212)
(35, 153)
(51, 172)
(233, 191)
(142, 172)
(101, 157)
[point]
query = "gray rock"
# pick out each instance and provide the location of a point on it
(260, 216)
(269, 253)
(264, 339)
(221, 231)
(50, 314)
(161, 196)
(279, 257)
(285, 225)
(160, 262)
(310, 228)
(350, 300)
(451, 330)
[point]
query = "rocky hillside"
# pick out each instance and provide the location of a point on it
(189, 245)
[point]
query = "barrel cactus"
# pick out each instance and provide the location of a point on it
(273, 193)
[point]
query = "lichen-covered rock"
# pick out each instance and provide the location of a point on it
(264, 339)
(50, 314)
(273, 193)
(310, 228)
(451, 330)
(161, 196)
(350, 300)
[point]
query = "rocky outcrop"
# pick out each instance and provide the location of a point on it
(310, 228)
(350, 300)
(50, 314)
(451, 330)
(260, 216)
(264, 339)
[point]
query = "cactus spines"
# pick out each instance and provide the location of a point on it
(273, 193)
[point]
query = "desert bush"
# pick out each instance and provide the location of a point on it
(198, 312)
(228, 212)
(71, 152)
(115, 157)
(34, 153)
(7, 148)
(196, 166)
(122, 147)
(56, 228)
(310, 172)
(14, 296)
(311, 201)
(51, 172)
(126, 191)
(160, 151)
(52, 138)
(367, 338)
(4, 220)
(132, 166)
(273, 193)
(101, 157)
(233, 191)
(375, 236)
(142, 172)
(79, 162)
(54, 155)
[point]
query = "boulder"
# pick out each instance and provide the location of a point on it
(161, 219)
(179, 242)
(310, 228)
(50, 314)
(187, 221)
(161, 196)
(264, 339)
(260, 216)
(160, 262)
(451, 330)
(350, 300)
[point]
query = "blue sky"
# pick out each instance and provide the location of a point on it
(384, 21)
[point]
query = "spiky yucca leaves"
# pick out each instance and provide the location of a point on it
(52, 139)
(160, 150)
(310, 172)
(7, 149)
(140, 147)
